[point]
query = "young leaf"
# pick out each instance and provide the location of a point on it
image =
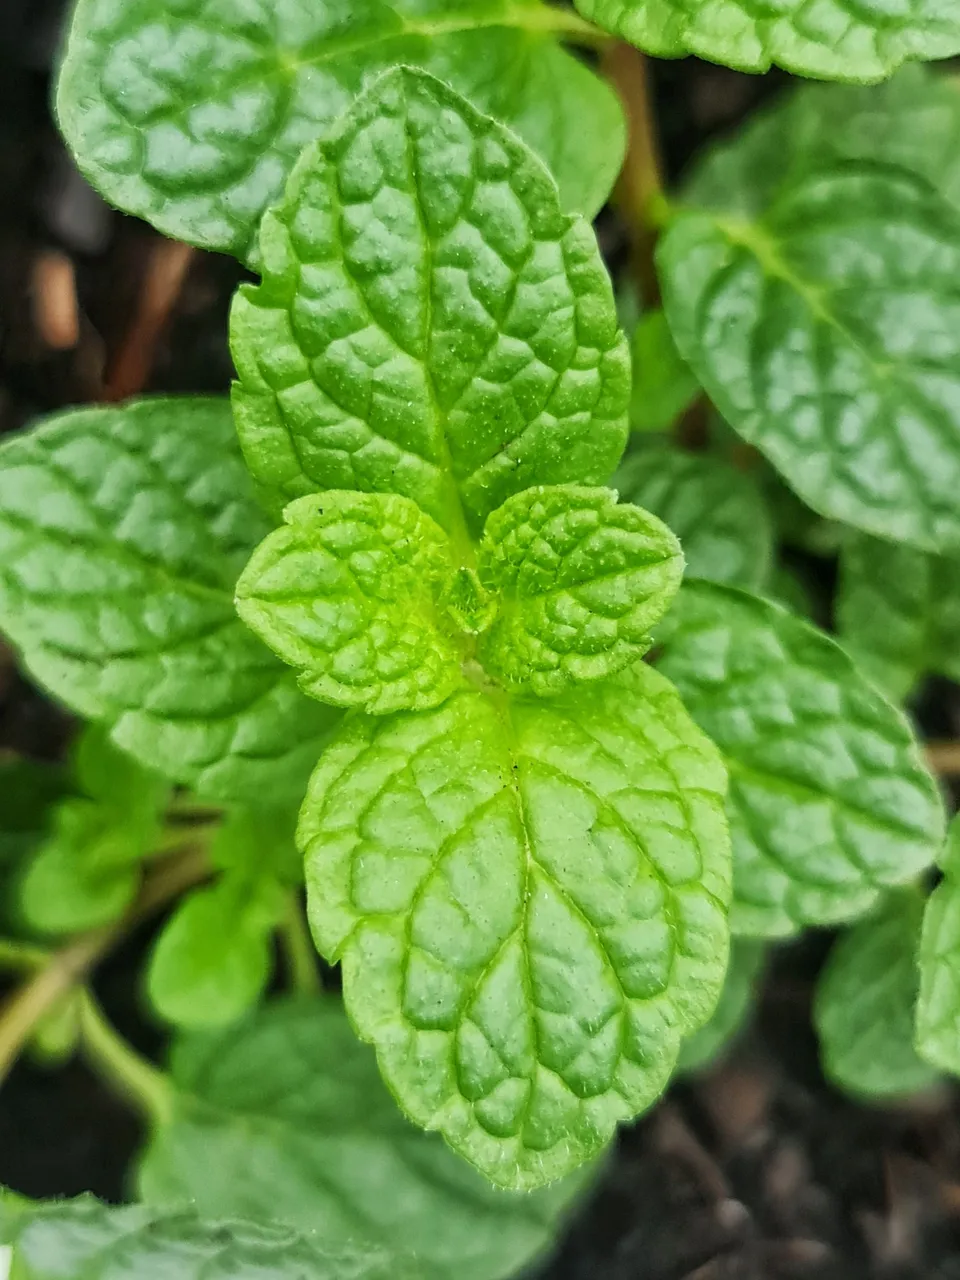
(794, 324)
(829, 801)
(69, 1239)
(350, 592)
(529, 901)
(938, 1007)
(580, 579)
(192, 117)
(285, 1116)
(663, 385)
(865, 1003)
(898, 612)
(718, 513)
(733, 1008)
(429, 323)
(122, 532)
(858, 40)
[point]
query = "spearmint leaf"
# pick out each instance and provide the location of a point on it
(938, 1006)
(122, 533)
(528, 898)
(581, 580)
(350, 592)
(912, 121)
(214, 956)
(718, 513)
(663, 385)
(191, 116)
(830, 802)
(827, 334)
(857, 40)
(286, 1116)
(865, 1000)
(898, 612)
(714, 1037)
(74, 1238)
(429, 323)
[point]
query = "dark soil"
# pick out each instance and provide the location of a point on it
(756, 1170)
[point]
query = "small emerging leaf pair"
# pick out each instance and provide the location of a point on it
(362, 592)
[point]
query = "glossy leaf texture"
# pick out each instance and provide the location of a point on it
(430, 322)
(122, 533)
(898, 612)
(938, 1006)
(913, 120)
(69, 1239)
(830, 802)
(528, 898)
(285, 1116)
(733, 1009)
(663, 384)
(865, 1001)
(718, 513)
(857, 40)
(192, 116)
(579, 580)
(826, 332)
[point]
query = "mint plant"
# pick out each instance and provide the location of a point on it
(538, 727)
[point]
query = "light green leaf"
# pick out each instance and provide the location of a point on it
(286, 1116)
(865, 1001)
(913, 121)
(191, 117)
(898, 612)
(429, 323)
(350, 592)
(733, 1008)
(87, 871)
(718, 513)
(580, 579)
(255, 842)
(122, 533)
(528, 898)
(938, 1007)
(69, 1239)
(858, 40)
(830, 802)
(663, 385)
(827, 333)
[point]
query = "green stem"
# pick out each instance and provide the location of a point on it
(300, 953)
(133, 1076)
(22, 956)
(180, 836)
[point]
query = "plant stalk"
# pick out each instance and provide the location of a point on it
(132, 1075)
(299, 950)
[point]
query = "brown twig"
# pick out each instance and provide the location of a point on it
(166, 271)
(56, 311)
(944, 758)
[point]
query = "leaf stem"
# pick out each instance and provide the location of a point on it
(300, 952)
(944, 758)
(639, 192)
(70, 965)
(132, 1075)
(15, 954)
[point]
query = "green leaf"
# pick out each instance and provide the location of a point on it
(529, 901)
(827, 334)
(718, 513)
(913, 121)
(191, 117)
(713, 1039)
(122, 533)
(580, 579)
(69, 1239)
(286, 1116)
(429, 323)
(663, 385)
(865, 1001)
(830, 802)
(938, 1007)
(87, 871)
(898, 612)
(858, 40)
(350, 592)
(254, 842)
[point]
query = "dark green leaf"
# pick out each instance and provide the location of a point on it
(663, 385)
